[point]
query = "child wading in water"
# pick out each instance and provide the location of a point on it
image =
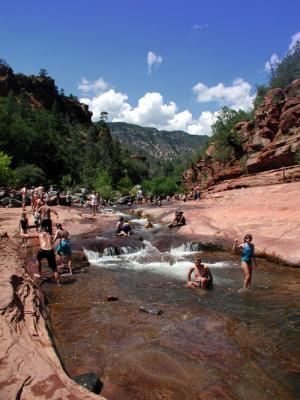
(202, 274)
(247, 259)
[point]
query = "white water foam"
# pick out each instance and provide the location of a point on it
(150, 259)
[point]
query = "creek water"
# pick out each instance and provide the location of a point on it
(221, 343)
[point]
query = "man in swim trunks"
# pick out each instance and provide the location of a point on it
(45, 212)
(202, 275)
(45, 252)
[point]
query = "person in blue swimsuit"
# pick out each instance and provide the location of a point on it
(63, 249)
(248, 258)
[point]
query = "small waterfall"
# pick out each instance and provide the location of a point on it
(185, 248)
(117, 251)
(92, 255)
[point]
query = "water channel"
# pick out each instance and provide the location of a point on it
(221, 343)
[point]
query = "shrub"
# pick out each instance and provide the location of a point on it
(30, 175)
(6, 173)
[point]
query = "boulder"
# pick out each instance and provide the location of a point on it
(90, 381)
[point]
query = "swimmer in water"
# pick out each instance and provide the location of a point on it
(202, 275)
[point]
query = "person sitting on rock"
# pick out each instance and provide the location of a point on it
(202, 275)
(179, 219)
(119, 228)
(148, 224)
(127, 228)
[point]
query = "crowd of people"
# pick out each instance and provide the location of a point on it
(60, 255)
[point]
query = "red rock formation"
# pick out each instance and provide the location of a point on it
(30, 368)
(42, 93)
(272, 140)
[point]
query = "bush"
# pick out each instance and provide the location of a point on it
(30, 175)
(222, 154)
(6, 173)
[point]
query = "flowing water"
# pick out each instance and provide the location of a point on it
(222, 343)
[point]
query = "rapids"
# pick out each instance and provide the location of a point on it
(221, 343)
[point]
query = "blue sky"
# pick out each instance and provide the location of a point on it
(171, 64)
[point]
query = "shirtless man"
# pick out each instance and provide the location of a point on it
(45, 213)
(202, 275)
(45, 252)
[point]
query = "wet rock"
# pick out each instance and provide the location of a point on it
(148, 308)
(112, 298)
(90, 381)
(10, 202)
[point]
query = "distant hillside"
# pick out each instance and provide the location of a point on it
(154, 144)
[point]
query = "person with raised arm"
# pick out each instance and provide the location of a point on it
(248, 258)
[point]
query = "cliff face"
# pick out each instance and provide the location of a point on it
(271, 141)
(42, 93)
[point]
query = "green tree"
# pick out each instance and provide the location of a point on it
(6, 172)
(288, 69)
(30, 175)
(102, 183)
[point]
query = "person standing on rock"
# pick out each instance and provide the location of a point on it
(94, 203)
(24, 194)
(248, 258)
(45, 252)
(45, 212)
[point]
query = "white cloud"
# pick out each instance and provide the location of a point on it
(274, 60)
(202, 126)
(151, 110)
(153, 61)
(112, 102)
(200, 26)
(294, 39)
(99, 85)
(236, 96)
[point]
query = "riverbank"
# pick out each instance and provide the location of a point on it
(271, 214)
(30, 367)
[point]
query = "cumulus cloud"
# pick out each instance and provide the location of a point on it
(151, 111)
(294, 39)
(200, 26)
(111, 101)
(153, 61)
(202, 126)
(86, 86)
(236, 96)
(274, 60)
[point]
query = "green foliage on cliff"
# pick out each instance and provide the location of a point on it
(6, 172)
(42, 143)
(226, 141)
(287, 70)
(282, 74)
